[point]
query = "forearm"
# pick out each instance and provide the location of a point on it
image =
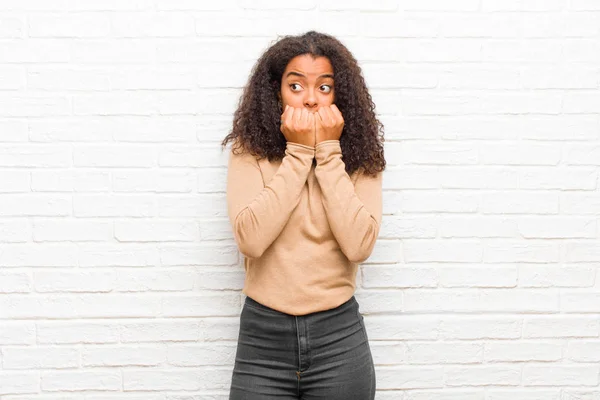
(354, 225)
(257, 223)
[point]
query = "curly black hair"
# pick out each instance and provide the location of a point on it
(256, 122)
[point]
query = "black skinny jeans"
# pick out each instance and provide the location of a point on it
(323, 355)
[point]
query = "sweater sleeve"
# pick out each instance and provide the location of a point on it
(257, 212)
(353, 211)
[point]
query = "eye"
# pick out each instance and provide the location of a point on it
(328, 88)
(291, 86)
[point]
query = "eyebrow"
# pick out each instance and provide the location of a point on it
(304, 76)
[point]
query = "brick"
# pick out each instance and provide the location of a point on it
(176, 329)
(444, 353)
(483, 276)
(59, 230)
(409, 377)
(57, 79)
(521, 251)
(115, 156)
(480, 327)
(443, 394)
(476, 226)
(445, 201)
(172, 379)
(156, 231)
(157, 182)
(13, 131)
(397, 276)
(69, 25)
(12, 78)
(558, 326)
(551, 276)
(70, 181)
(73, 332)
(560, 375)
(53, 381)
(480, 300)
(12, 26)
(524, 394)
(119, 356)
(102, 52)
(583, 351)
(388, 352)
(14, 181)
(143, 280)
(38, 255)
(505, 351)
(14, 333)
(483, 375)
(40, 358)
(148, 25)
(15, 282)
(203, 354)
(201, 305)
(19, 382)
(404, 327)
(553, 227)
(571, 178)
(442, 251)
(522, 202)
(520, 154)
(35, 51)
(188, 156)
(14, 231)
(33, 156)
(74, 280)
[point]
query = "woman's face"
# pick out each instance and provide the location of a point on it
(307, 82)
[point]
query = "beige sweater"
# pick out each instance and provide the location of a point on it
(303, 228)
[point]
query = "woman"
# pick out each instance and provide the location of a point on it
(304, 202)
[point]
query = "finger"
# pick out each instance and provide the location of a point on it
(297, 115)
(311, 121)
(318, 122)
(299, 118)
(304, 116)
(324, 113)
(319, 116)
(284, 114)
(330, 117)
(337, 113)
(288, 115)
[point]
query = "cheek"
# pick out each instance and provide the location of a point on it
(288, 98)
(328, 99)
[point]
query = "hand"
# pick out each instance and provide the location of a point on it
(298, 126)
(329, 123)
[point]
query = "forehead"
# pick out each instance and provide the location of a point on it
(309, 66)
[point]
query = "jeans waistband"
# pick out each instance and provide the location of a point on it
(348, 303)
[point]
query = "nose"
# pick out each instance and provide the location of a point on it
(310, 101)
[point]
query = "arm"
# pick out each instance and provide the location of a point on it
(258, 213)
(353, 212)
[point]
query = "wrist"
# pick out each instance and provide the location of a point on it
(290, 143)
(326, 141)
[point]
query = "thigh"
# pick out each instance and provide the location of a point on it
(342, 367)
(265, 365)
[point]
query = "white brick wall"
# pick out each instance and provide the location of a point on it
(119, 278)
